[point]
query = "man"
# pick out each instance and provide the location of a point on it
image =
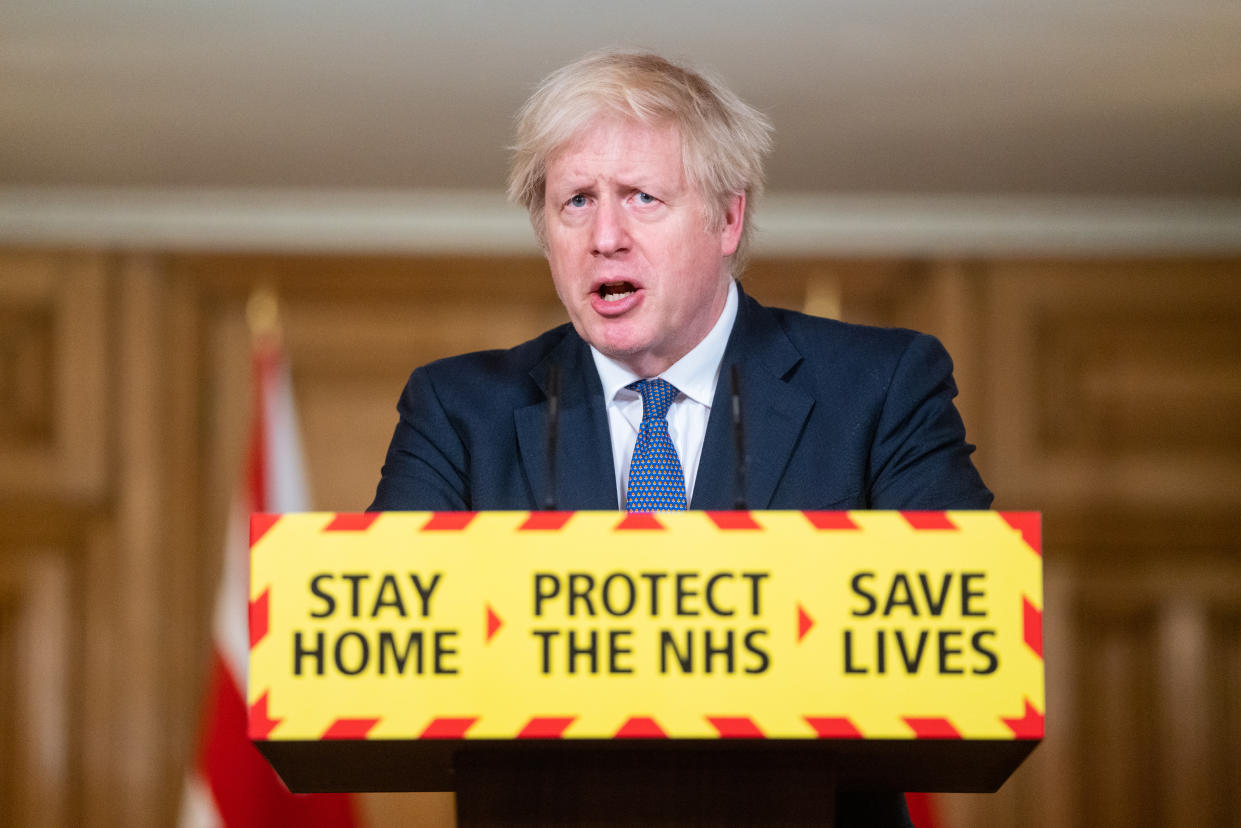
(640, 177)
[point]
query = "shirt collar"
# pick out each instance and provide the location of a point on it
(695, 375)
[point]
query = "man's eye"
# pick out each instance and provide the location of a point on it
(578, 200)
(646, 198)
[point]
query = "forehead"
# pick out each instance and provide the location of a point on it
(619, 146)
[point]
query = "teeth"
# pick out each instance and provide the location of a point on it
(615, 291)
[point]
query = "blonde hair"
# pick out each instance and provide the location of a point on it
(723, 139)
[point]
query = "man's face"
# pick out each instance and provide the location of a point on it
(632, 258)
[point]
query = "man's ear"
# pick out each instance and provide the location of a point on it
(734, 217)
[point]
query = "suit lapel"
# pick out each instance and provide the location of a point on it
(584, 475)
(773, 414)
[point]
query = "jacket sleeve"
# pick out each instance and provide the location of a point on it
(427, 466)
(919, 457)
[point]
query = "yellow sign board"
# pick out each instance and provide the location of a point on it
(680, 625)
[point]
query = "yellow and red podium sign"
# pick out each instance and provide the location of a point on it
(681, 626)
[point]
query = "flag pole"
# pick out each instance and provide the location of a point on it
(230, 784)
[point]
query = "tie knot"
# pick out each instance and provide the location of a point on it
(657, 396)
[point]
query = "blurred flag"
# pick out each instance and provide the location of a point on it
(923, 810)
(231, 784)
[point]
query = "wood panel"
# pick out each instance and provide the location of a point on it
(1111, 405)
(1222, 716)
(36, 624)
(54, 445)
(1115, 382)
(1106, 393)
(53, 375)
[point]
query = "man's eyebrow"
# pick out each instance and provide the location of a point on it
(568, 191)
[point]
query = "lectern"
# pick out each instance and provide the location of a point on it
(708, 667)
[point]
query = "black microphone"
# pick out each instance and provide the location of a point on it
(739, 438)
(553, 434)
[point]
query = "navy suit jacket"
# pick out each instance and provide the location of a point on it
(835, 416)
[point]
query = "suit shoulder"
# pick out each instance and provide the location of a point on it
(849, 358)
(494, 371)
(520, 358)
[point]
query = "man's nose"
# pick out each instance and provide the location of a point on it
(610, 230)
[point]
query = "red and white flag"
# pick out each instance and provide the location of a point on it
(923, 810)
(231, 784)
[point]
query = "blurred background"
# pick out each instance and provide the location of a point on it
(1053, 189)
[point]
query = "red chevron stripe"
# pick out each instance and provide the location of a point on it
(448, 727)
(932, 727)
(639, 520)
(546, 521)
(733, 520)
(1030, 525)
(546, 727)
(1032, 626)
(260, 724)
(640, 727)
(1029, 726)
(349, 729)
(260, 523)
(830, 520)
(259, 618)
(351, 522)
(736, 727)
(928, 520)
(448, 521)
(834, 727)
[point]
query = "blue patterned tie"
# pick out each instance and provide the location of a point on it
(656, 481)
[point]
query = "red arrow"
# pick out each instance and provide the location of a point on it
(493, 623)
(804, 622)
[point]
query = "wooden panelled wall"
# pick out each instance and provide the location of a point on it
(1105, 393)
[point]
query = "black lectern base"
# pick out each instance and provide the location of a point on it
(641, 787)
(964, 765)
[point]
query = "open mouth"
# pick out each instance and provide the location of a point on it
(615, 291)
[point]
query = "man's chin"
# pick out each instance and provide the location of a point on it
(639, 360)
(617, 340)
(620, 353)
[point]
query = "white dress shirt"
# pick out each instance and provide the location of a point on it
(695, 376)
